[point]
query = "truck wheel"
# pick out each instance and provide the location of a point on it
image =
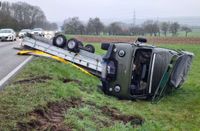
(90, 48)
(80, 44)
(73, 45)
(59, 41)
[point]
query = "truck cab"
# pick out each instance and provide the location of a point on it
(141, 71)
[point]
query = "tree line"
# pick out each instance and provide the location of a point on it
(21, 15)
(95, 26)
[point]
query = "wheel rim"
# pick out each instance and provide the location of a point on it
(59, 41)
(71, 44)
(90, 48)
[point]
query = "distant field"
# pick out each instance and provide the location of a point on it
(151, 40)
(193, 38)
(194, 33)
(48, 95)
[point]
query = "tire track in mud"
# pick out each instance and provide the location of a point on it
(51, 117)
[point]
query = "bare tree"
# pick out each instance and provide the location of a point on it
(151, 27)
(174, 27)
(114, 29)
(156, 28)
(5, 8)
(22, 15)
(28, 16)
(5, 19)
(186, 29)
(137, 30)
(95, 26)
(73, 26)
(165, 27)
(0, 5)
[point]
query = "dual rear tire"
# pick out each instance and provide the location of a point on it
(59, 41)
(73, 44)
(90, 48)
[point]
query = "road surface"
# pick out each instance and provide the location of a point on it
(10, 63)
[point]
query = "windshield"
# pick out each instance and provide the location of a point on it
(5, 31)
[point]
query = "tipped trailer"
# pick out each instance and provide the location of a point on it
(127, 71)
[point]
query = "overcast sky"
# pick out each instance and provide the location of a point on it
(58, 10)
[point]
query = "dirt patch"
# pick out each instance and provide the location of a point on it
(65, 80)
(37, 79)
(50, 117)
(116, 115)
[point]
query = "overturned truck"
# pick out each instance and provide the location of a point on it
(127, 71)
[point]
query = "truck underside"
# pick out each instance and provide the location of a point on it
(127, 71)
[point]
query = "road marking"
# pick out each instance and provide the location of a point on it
(6, 78)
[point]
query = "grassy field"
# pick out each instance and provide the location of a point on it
(195, 33)
(51, 95)
(152, 40)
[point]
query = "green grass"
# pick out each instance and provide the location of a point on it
(194, 33)
(178, 111)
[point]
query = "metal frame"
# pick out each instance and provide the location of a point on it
(83, 58)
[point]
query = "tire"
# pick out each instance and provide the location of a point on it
(73, 45)
(142, 40)
(12, 39)
(90, 48)
(59, 41)
(80, 44)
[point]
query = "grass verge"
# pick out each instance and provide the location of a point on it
(45, 85)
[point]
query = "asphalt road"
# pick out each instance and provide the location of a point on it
(9, 61)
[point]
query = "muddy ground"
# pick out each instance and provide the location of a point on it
(51, 117)
(33, 79)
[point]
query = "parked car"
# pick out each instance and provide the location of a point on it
(7, 35)
(38, 31)
(23, 32)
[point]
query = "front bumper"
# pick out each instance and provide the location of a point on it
(5, 38)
